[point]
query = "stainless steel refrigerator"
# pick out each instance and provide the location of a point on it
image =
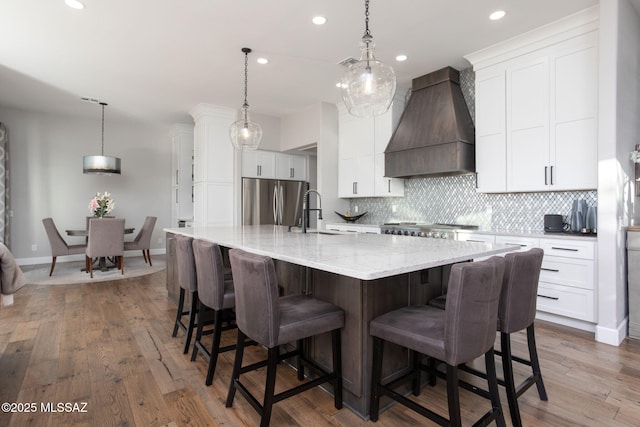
(272, 201)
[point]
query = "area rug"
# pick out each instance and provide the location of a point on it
(67, 273)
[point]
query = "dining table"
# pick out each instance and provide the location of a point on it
(101, 262)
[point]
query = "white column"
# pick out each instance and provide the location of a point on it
(214, 161)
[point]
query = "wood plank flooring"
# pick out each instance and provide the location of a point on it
(109, 345)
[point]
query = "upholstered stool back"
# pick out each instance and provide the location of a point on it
(213, 291)
(186, 265)
(519, 290)
(257, 299)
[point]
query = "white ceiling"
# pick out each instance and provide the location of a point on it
(154, 60)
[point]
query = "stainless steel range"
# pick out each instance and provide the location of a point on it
(435, 231)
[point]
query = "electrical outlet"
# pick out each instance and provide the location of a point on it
(355, 208)
(34, 247)
(160, 240)
(393, 208)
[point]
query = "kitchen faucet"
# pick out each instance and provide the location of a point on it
(306, 210)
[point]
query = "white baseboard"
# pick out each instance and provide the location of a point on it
(612, 336)
(566, 321)
(79, 257)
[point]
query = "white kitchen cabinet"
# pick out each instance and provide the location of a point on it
(259, 164)
(523, 243)
(536, 114)
(361, 145)
(271, 164)
(567, 279)
(182, 174)
(291, 167)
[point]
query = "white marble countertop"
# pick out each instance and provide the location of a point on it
(360, 255)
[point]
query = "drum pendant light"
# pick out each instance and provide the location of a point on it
(369, 85)
(101, 165)
(245, 134)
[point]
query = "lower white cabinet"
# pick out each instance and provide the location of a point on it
(567, 279)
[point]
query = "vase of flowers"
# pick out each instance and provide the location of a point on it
(101, 204)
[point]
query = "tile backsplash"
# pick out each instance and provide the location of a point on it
(455, 199)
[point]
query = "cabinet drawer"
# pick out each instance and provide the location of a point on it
(568, 248)
(565, 301)
(475, 237)
(577, 273)
(525, 243)
(350, 228)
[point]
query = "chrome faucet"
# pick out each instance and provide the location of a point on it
(306, 210)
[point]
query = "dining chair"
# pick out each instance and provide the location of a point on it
(59, 246)
(142, 241)
(105, 239)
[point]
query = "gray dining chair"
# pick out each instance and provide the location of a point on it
(106, 239)
(142, 241)
(59, 246)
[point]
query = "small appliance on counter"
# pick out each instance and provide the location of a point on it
(554, 224)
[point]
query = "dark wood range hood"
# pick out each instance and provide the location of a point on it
(435, 135)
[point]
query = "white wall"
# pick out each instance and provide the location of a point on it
(47, 181)
(618, 130)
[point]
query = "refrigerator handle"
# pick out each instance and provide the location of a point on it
(275, 205)
(280, 203)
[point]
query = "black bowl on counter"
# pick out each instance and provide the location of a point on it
(351, 218)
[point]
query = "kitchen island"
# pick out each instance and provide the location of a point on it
(364, 274)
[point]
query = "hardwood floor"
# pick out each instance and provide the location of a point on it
(109, 345)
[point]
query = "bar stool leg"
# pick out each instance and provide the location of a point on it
(269, 388)
(337, 368)
(200, 321)
(509, 384)
(535, 363)
(179, 312)
(374, 400)
(192, 322)
(237, 365)
(453, 396)
(492, 380)
(415, 367)
(215, 347)
(299, 365)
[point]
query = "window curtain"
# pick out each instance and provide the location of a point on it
(4, 186)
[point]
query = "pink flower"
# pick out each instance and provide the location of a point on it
(93, 204)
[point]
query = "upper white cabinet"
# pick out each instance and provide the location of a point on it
(274, 165)
(536, 110)
(259, 164)
(361, 145)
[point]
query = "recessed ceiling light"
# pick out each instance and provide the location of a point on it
(401, 58)
(262, 61)
(319, 20)
(74, 4)
(498, 14)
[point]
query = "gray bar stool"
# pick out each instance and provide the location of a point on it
(516, 312)
(465, 330)
(216, 296)
(188, 283)
(272, 321)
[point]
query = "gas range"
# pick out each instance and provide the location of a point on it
(435, 231)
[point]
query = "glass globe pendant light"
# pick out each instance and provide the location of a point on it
(245, 134)
(369, 85)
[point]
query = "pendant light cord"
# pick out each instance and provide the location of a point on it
(103, 105)
(246, 51)
(367, 33)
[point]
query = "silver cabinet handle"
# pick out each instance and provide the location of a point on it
(553, 270)
(291, 173)
(177, 182)
(564, 249)
(547, 297)
(389, 186)
(545, 176)
(177, 196)
(551, 175)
